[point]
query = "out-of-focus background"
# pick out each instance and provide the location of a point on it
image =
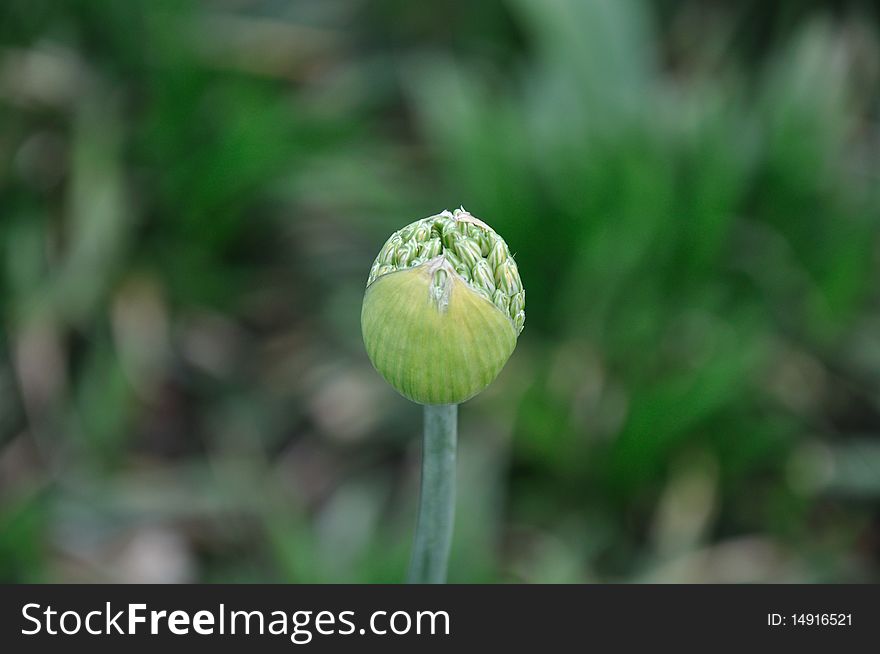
(192, 193)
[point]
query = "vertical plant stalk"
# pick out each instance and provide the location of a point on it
(430, 557)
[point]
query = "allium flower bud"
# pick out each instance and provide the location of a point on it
(443, 308)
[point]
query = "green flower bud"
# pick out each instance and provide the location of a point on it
(431, 248)
(469, 252)
(483, 278)
(443, 308)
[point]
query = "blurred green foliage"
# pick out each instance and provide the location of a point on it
(191, 194)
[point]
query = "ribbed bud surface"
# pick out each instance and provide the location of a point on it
(473, 250)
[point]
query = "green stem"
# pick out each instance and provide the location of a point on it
(437, 498)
